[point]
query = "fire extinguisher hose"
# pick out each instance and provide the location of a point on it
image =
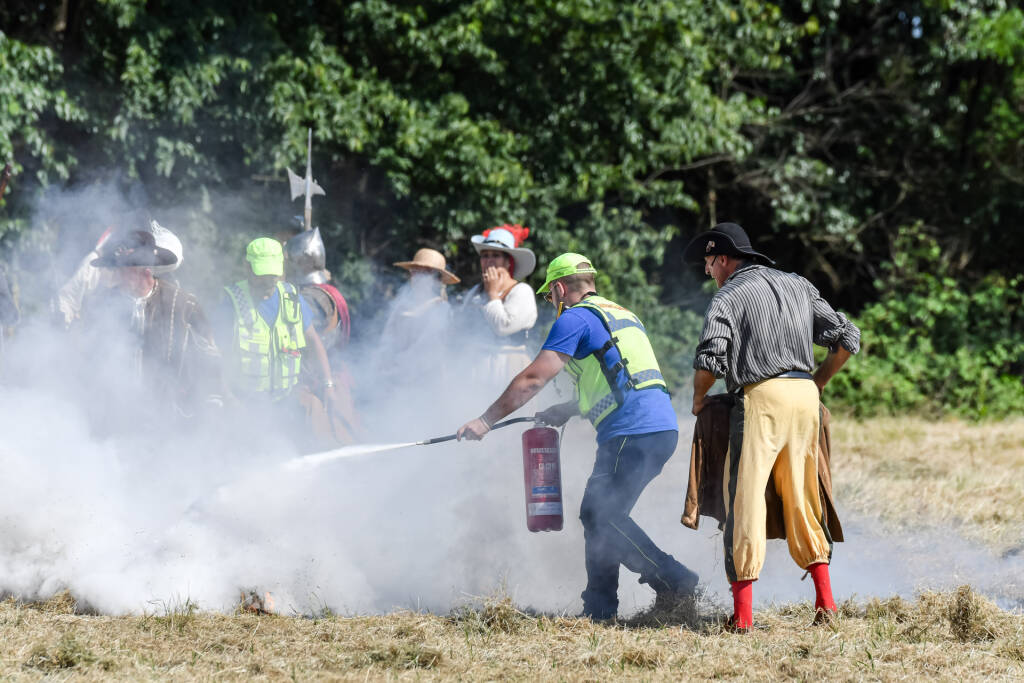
(496, 425)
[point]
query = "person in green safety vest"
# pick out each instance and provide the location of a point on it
(272, 331)
(620, 390)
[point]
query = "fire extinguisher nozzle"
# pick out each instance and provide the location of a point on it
(437, 439)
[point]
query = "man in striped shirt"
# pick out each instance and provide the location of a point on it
(758, 334)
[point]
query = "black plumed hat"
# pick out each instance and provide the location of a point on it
(132, 250)
(724, 238)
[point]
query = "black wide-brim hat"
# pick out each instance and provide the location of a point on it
(134, 250)
(725, 238)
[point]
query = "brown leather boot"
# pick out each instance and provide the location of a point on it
(824, 617)
(730, 627)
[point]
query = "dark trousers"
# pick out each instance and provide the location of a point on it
(624, 467)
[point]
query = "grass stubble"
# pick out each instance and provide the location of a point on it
(947, 635)
(951, 475)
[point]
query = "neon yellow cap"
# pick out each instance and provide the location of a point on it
(266, 256)
(565, 265)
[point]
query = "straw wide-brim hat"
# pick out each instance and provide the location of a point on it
(499, 239)
(432, 259)
(134, 250)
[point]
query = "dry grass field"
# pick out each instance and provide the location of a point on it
(954, 635)
(940, 474)
(949, 475)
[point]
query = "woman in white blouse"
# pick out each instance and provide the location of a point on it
(501, 309)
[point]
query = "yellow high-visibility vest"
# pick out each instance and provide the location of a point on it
(598, 390)
(269, 357)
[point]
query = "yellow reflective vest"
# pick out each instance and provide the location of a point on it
(600, 385)
(268, 357)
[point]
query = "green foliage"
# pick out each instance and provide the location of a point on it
(31, 92)
(885, 114)
(614, 129)
(932, 345)
(433, 121)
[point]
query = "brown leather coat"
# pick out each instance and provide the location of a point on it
(707, 465)
(179, 358)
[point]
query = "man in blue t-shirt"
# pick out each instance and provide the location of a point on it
(620, 390)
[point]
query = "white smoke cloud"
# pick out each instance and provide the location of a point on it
(126, 511)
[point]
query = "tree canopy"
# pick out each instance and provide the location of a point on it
(616, 130)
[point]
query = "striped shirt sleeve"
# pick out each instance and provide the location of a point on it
(831, 328)
(713, 347)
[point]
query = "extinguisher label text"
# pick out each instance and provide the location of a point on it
(545, 490)
(534, 509)
(543, 450)
(545, 474)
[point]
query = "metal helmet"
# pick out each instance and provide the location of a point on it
(306, 258)
(168, 240)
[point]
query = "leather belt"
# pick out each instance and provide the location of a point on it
(789, 374)
(795, 374)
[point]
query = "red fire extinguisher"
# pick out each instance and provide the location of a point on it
(542, 478)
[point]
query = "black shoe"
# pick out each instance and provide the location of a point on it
(607, 621)
(682, 585)
(677, 603)
(730, 627)
(599, 617)
(824, 617)
(687, 584)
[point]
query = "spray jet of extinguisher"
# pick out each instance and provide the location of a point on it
(316, 459)
(542, 471)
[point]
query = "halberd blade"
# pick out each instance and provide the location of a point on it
(298, 185)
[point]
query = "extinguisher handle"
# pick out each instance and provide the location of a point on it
(496, 425)
(514, 420)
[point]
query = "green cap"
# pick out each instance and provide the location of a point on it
(564, 266)
(266, 256)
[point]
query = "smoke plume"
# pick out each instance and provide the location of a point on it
(109, 499)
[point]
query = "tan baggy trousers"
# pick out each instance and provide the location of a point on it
(780, 438)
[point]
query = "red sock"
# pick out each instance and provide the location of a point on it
(742, 604)
(822, 587)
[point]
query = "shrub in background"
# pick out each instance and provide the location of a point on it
(935, 345)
